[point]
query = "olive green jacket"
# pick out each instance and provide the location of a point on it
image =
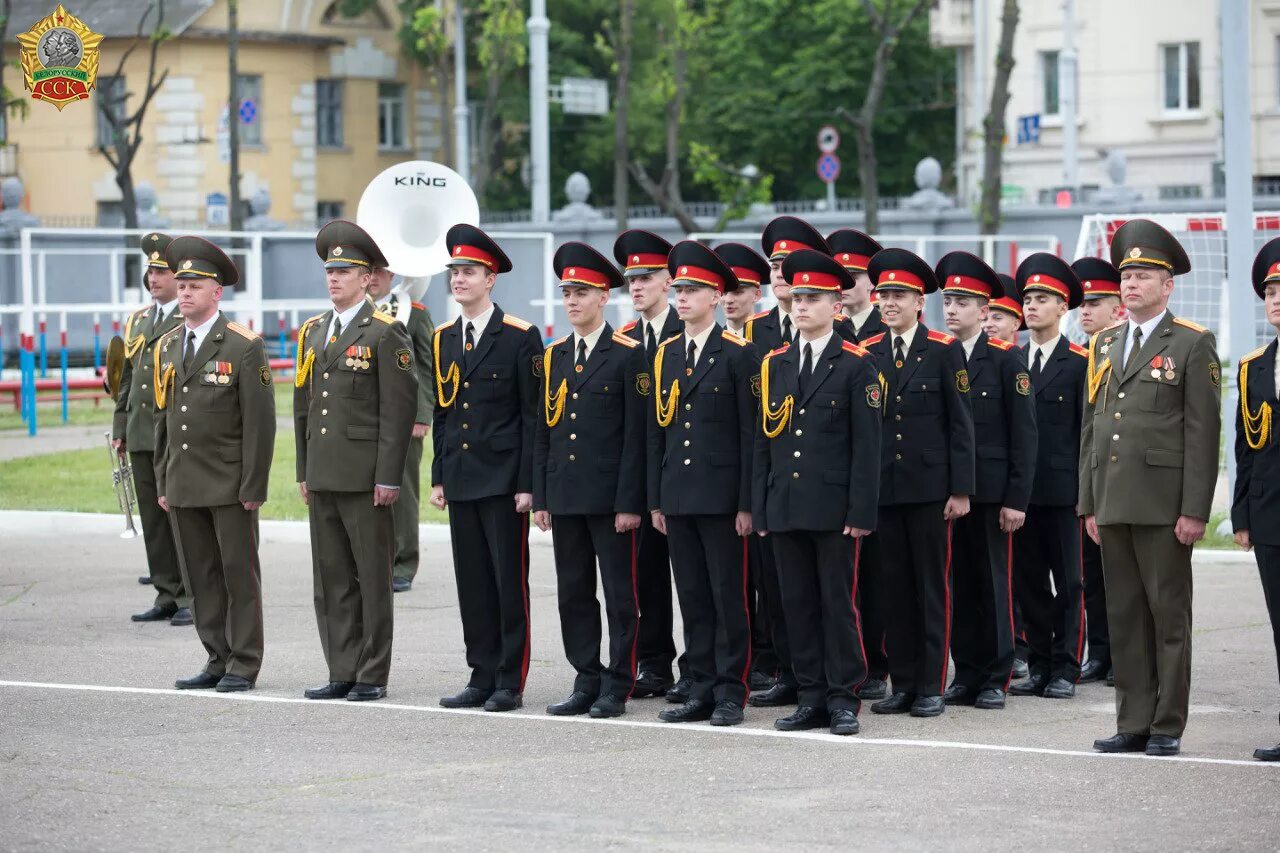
(421, 332)
(135, 416)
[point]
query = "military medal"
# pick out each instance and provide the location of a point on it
(1168, 369)
(358, 357)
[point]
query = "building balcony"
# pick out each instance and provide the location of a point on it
(951, 23)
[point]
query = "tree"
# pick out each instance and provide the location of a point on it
(994, 124)
(126, 127)
(621, 105)
(425, 38)
(501, 50)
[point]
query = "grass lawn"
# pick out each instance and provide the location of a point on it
(79, 413)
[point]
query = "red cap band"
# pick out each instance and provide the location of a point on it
(786, 247)
(1100, 287)
(965, 284)
(1047, 283)
(1009, 306)
(645, 261)
(698, 275)
(746, 276)
(815, 281)
(475, 255)
(902, 279)
(583, 275)
(852, 261)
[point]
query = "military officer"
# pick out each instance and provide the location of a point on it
(215, 434)
(354, 404)
(133, 431)
(1004, 425)
(1148, 467)
(1255, 507)
(854, 250)
(489, 371)
(416, 319)
(926, 479)
(814, 490)
(642, 256)
(1100, 309)
(699, 483)
(751, 271)
(1049, 545)
(590, 442)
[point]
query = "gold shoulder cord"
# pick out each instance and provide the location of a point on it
(667, 412)
(1096, 374)
(553, 406)
(1257, 425)
(302, 368)
(450, 378)
(162, 384)
(779, 417)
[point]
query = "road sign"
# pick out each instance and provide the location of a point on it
(216, 211)
(248, 111)
(828, 139)
(828, 168)
(1029, 129)
(587, 96)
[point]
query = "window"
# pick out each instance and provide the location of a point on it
(329, 113)
(111, 92)
(327, 211)
(1175, 192)
(391, 116)
(1049, 78)
(249, 91)
(1181, 76)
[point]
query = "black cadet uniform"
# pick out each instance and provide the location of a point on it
(488, 382)
(927, 455)
(1048, 546)
(639, 252)
(816, 472)
(1255, 506)
(699, 455)
(1004, 426)
(590, 444)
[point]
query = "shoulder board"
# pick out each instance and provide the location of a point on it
(850, 346)
(517, 323)
(1251, 356)
(1195, 327)
(419, 306)
(242, 331)
(629, 326)
(141, 313)
(558, 342)
(730, 336)
(674, 337)
(760, 316)
(779, 351)
(999, 344)
(629, 343)
(1115, 325)
(310, 320)
(840, 318)
(873, 340)
(384, 318)
(940, 337)
(174, 332)
(446, 324)
(1078, 350)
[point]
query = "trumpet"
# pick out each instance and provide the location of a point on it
(122, 481)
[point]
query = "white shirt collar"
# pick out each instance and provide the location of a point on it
(346, 317)
(592, 339)
(658, 323)
(819, 347)
(907, 337)
(201, 331)
(700, 340)
(740, 331)
(479, 324)
(1046, 350)
(860, 319)
(1148, 328)
(970, 344)
(167, 308)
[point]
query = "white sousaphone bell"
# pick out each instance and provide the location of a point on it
(408, 208)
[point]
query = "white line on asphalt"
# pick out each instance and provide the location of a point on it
(638, 724)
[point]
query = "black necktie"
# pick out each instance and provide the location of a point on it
(157, 317)
(897, 351)
(1133, 351)
(470, 345)
(691, 360)
(786, 329)
(1036, 365)
(337, 330)
(806, 368)
(581, 364)
(651, 345)
(189, 354)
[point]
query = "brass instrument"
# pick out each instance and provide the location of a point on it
(115, 367)
(122, 480)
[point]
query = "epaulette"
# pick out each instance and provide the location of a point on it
(516, 322)
(1114, 325)
(385, 318)
(558, 342)
(1251, 356)
(674, 337)
(419, 306)
(1078, 350)
(1003, 346)
(174, 331)
(730, 336)
(779, 351)
(310, 320)
(873, 340)
(446, 324)
(940, 337)
(850, 346)
(1195, 327)
(759, 316)
(840, 318)
(629, 326)
(242, 331)
(629, 343)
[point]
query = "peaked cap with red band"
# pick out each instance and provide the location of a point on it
(808, 271)
(468, 245)
(899, 269)
(577, 264)
(692, 263)
(1050, 274)
(787, 234)
(853, 249)
(748, 267)
(639, 252)
(1011, 302)
(1266, 267)
(1098, 278)
(966, 274)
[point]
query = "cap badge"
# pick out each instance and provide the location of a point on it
(337, 251)
(805, 278)
(1135, 252)
(635, 259)
(684, 270)
(572, 271)
(1035, 278)
(957, 279)
(155, 255)
(892, 276)
(845, 256)
(186, 265)
(782, 244)
(1088, 285)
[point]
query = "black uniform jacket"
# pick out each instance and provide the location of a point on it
(765, 329)
(871, 327)
(1004, 423)
(1059, 396)
(671, 326)
(1256, 504)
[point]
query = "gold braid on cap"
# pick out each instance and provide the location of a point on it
(451, 377)
(553, 405)
(779, 417)
(1257, 425)
(667, 412)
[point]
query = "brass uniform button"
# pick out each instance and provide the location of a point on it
(324, 430)
(184, 447)
(795, 475)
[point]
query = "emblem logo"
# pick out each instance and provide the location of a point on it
(1135, 252)
(404, 359)
(805, 278)
(155, 255)
(892, 276)
(572, 272)
(1214, 373)
(873, 396)
(1022, 384)
(337, 251)
(962, 381)
(264, 376)
(957, 280)
(782, 245)
(845, 256)
(1088, 285)
(186, 265)
(755, 385)
(537, 366)
(643, 384)
(635, 259)
(59, 56)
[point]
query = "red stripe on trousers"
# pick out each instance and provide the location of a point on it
(946, 598)
(635, 599)
(524, 591)
(1008, 574)
(746, 609)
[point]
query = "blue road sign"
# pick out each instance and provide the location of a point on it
(828, 168)
(248, 111)
(1029, 129)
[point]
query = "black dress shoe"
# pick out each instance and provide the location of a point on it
(470, 697)
(1059, 688)
(844, 722)
(332, 690)
(154, 614)
(608, 706)
(873, 688)
(959, 694)
(401, 584)
(144, 580)
(775, 697)
(504, 700)
(805, 717)
(1163, 745)
(1111, 677)
(361, 692)
(181, 617)
(726, 714)
(760, 681)
(1033, 686)
(693, 711)
(577, 703)
(1267, 753)
(898, 703)
(1122, 743)
(650, 683)
(678, 693)
(201, 681)
(928, 706)
(1093, 670)
(1020, 668)
(234, 684)
(990, 699)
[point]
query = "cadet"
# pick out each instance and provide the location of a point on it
(854, 251)
(1148, 467)
(1255, 507)
(354, 402)
(926, 479)
(589, 447)
(814, 493)
(133, 430)
(699, 483)
(215, 434)
(488, 379)
(643, 258)
(1100, 310)
(1049, 545)
(416, 319)
(1004, 425)
(752, 271)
